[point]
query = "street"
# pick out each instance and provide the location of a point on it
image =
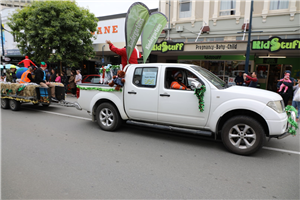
(59, 153)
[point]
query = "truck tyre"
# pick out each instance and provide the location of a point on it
(108, 117)
(243, 135)
(14, 105)
(4, 103)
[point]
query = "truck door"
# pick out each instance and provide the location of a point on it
(181, 107)
(141, 94)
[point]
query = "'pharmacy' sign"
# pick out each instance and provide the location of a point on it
(275, 44)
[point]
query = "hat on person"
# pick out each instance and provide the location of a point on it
(177, 73)
(78, 70)
(12, 67)
(288, 71)
(26, 56)
(43, 64)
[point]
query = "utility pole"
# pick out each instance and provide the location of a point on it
(249, 38)
(2, 36)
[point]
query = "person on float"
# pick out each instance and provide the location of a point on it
(122, 52)
(27, 62)
(11, 74)
(40, 78)
(177, 84)
(26, 76)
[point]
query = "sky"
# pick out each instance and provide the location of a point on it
(111, 7)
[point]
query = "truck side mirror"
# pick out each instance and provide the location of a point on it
(195, 85)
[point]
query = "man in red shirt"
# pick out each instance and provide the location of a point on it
(122, 52)
(27, 62)
(251, 81)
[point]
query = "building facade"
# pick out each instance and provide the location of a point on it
(215, 35)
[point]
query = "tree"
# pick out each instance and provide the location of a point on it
(54, 31)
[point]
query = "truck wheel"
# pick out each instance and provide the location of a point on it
(14, 105)
(108, 117)
(4, 103)
(243, 135)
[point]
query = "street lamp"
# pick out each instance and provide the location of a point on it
(249, 38)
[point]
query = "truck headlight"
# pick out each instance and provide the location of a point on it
(278, 106)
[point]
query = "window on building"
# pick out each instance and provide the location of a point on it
(254, 37)
(179, 40)
(292, 36)
(193, 40)
(279, 4)
(216, 39)
(240, 38)
(227, 7)
(185, 9)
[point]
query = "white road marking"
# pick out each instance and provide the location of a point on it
(65, 115)
(72, 116)
(282, 150)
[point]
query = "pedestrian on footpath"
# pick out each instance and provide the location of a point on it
(53, 75)
(78, 77)
(72, 84)
(58, 78)
(64, 80)
(296, 98)
(289, 93)
(251, 81)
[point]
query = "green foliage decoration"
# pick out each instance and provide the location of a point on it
(199, 92)
(99, 89)
(54, 31)
(294, 126)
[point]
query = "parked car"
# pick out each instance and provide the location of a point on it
(91, 78)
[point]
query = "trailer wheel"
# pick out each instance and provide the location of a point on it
(108, 117)
(14, 105)
(4, 103)
(45, 104)
(243, 135)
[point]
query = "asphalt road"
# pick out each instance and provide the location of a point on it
(59, 153)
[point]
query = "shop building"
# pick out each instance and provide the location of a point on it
(215, 35)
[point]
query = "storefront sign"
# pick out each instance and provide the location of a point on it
(12, 52)
(216, 47)
(231, 81)
(166, 46)
(270, 60)
(275, 44)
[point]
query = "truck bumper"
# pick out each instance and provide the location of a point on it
(282, 125)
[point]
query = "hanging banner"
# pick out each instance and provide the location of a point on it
(136, 18)
(151, 32)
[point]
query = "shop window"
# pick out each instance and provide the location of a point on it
(185, 9)
(227, 7)
(216, 39)
(264, 37)
(293, 36)
(179, 40)
(240, 38)
(145, 77)
(279, 4)
(193, 40)
(254, 37)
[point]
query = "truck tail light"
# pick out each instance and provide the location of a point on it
(77, 92)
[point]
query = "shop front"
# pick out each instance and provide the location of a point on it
(224, 59)
(273, 57)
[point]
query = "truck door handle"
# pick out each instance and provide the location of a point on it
(164, 95)
(132, 92)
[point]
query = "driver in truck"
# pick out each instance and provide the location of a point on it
(177, 84)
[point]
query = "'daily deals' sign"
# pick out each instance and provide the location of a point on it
(166, 46)
(275, 44)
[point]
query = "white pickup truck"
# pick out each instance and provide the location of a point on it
(241, 116)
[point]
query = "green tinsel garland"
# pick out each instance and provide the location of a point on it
(115, 66)
(294, 125)
(199, 92)
(98, 88)
(100, 70)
